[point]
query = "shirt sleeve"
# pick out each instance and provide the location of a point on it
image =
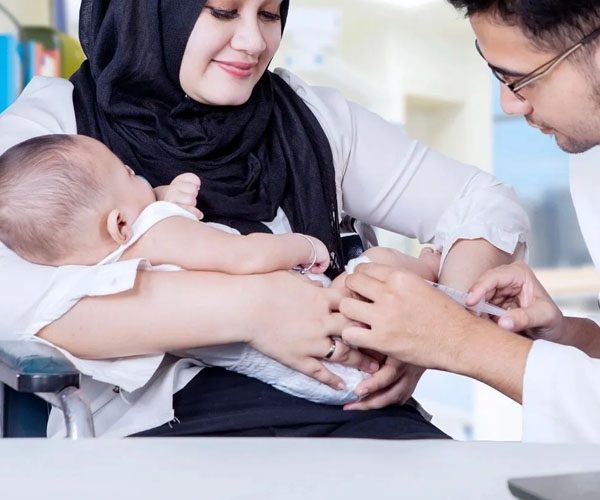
(396, 183)
(561, 395)
(393, 182)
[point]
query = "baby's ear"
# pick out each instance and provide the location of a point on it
(118, 227)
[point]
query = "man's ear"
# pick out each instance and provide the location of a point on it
(118, 227)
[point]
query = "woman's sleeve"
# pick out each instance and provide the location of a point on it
(561, 395)
(396, 183)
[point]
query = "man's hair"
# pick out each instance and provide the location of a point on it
(552, 25)
(45, 184)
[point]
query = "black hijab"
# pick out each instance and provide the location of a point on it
(252, 159)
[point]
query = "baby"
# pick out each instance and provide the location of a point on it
(69, 200)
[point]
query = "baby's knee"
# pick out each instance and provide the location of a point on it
(384, 255)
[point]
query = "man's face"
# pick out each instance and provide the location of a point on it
(564, 103)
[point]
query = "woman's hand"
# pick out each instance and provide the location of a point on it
(295, 323)
(531, 310)
(182, 191)
(394, 383)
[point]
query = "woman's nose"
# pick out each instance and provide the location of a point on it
(249, 38)
(512, 105)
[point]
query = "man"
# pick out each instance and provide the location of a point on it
(547, 55)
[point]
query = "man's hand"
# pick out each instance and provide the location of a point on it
(182, 191)
(394, 383)
(404, 317)
(409, 320)
(531, 310)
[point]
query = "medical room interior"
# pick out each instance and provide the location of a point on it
(414, 63)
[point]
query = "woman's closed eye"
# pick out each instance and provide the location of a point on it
(223, 13)
(228, 15)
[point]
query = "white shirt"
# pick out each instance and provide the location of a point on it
(561, 390)
(383, 178)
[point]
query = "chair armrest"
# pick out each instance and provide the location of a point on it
(32, 367)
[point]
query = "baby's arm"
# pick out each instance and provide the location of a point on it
(199, 247)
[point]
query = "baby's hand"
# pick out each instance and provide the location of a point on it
(320, 254)
(182, 191)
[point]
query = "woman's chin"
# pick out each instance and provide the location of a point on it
(223, 99)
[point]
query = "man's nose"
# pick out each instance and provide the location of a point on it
(512, 105)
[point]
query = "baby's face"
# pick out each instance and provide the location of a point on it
(128, 192)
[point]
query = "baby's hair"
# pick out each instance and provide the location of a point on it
(45, 184)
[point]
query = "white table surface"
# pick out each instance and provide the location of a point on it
(228, 468)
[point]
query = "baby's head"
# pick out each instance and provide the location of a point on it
(67, 199)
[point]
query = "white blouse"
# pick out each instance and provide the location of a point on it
(383, 178)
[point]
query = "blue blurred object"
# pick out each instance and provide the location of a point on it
(28, 54)
(10, 76)
(59, 14)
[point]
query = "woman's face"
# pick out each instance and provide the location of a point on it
(229, 50)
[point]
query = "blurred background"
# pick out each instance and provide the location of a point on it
(414, 63)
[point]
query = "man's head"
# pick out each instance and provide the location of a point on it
(517, 37)
(64, 197)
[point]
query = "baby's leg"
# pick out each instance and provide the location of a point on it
(426, 266)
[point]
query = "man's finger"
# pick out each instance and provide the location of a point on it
(352, 358)
(357, 310)
(358, 337)
(335, 296)
(386, 376)
(382, 399)
(379, 272)
(336, 323)
(491, 281)
(537, 315)
(365, 285)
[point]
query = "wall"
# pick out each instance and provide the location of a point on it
(30, 12)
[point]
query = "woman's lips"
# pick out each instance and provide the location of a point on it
(237, 69)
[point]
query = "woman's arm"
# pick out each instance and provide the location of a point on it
(278, 314)
(196, 246)
(395, 183)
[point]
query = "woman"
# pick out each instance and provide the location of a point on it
(176, 86)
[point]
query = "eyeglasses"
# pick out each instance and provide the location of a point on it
(522, 81)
